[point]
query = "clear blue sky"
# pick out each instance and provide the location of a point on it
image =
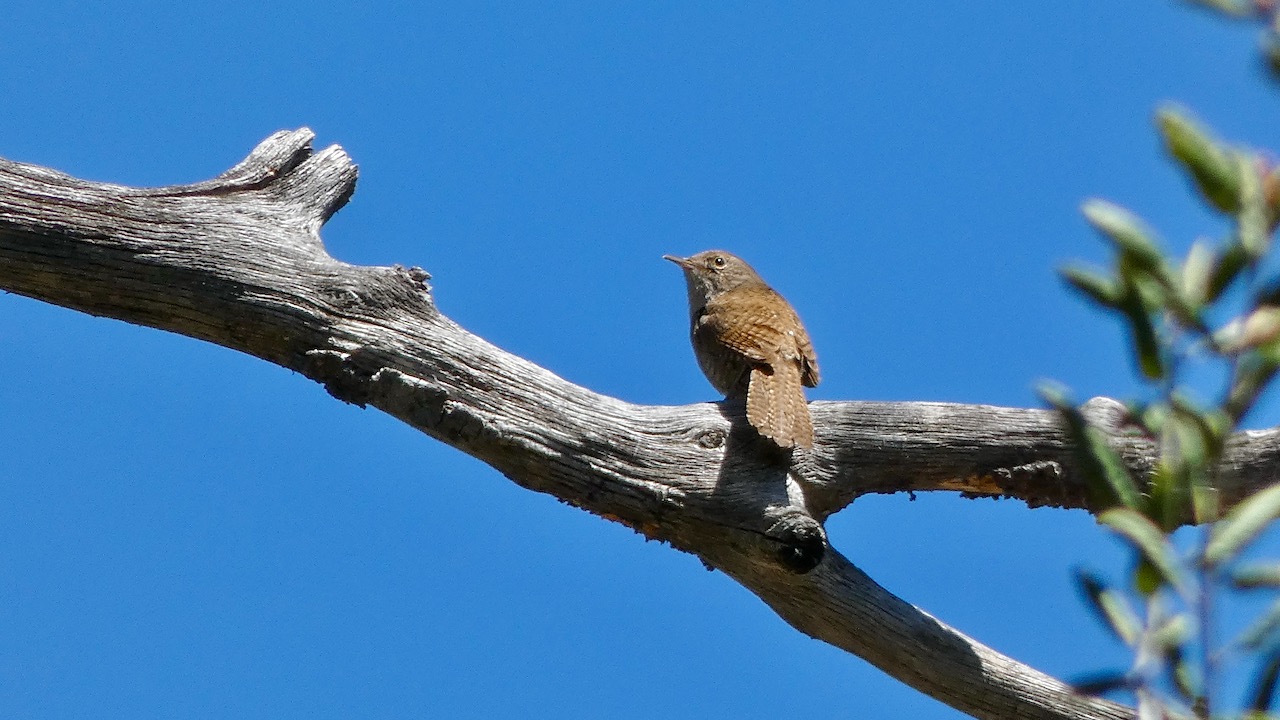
(188, 532)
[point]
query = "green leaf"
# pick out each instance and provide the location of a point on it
(1173, 633)
(1256, 575)
(1241, 526)
(1102, 683)
(1187, 678)
(1269, 361)
(1168, 494)
(1271, 196)
(1151, 541)
(1105, 474)
(1253, 373)
(1095, 286)
(1262, 632)
(1112, 608)
(1264, 683)
(1226, 270)
(1206, 504)
(1130, 235)
(1146, 342)
(1212, 167)
(1197, 274)
(1271, 51)
(1258, 328)
(1055, 395)
(1268, 294)
(1262, 326)
(1146, 578)
(1151, 416)
(1193, 442)
(1213, 425)
(1110, 468)
(1191, 435)
(1234, 8)
(1253, 222)
(1150, 291)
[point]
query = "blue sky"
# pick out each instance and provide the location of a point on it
(188, 532)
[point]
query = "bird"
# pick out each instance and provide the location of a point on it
(751, 345)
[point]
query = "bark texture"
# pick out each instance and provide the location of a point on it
(238, 261)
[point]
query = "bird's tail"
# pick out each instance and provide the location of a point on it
(777, 409)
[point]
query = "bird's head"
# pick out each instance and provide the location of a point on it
(712, 272)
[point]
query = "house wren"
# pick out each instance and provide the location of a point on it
(750, 343)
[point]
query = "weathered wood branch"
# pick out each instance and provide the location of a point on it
(238, 261)
(993, 451)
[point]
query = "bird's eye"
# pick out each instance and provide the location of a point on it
(718, 261)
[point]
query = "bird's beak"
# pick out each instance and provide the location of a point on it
(682, 262)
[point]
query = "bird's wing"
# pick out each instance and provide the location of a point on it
(808, 358)
(749, 330)
(756, 332)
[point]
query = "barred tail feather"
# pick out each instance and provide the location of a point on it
(776, 407)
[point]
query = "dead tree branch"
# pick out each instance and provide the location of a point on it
(238, 261)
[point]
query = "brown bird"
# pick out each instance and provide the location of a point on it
(750, 343)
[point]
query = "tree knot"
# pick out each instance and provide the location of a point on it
(800, 543)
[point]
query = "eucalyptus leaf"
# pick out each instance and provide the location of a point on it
(1110, 468)
(1106, 477)
(1168, 493)
(1129, 233)
(1264, 683)
(1271, 196)
(1103, 682)
(1262, 632)
(1145, 340)
(1253, 223)
(1241, 526)
(1197, 273)
(1174, 632)
(1256, 575)
(1254, 372)
(1260, 327)
(1151, 541)
(1093, 285)
(1271, 54)
(1212, 167)
(1146, 578)
(1187, 678)
(1206, 501)
(1234, 8)
(1114, 610)
(1226, 270)
(1152, 416)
